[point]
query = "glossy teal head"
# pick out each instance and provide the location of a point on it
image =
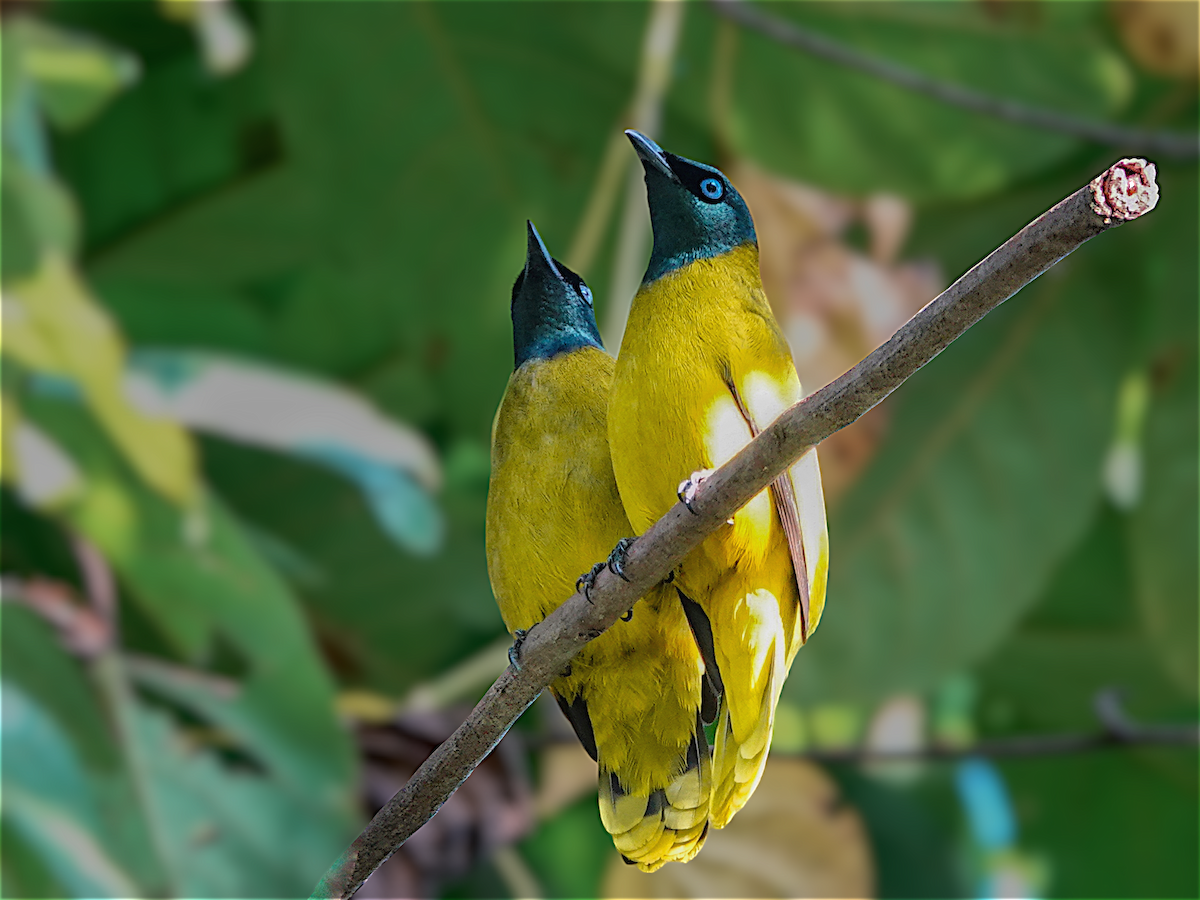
(694, 210)
(551, 307)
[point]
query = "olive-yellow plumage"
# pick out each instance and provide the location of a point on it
(633, 694)
(703, 367)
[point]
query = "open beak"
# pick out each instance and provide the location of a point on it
(650, 154)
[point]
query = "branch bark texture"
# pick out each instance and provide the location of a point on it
(1124, 191)
(1178, 146)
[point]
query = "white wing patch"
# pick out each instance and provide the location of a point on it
(766, 397)
(725, 433)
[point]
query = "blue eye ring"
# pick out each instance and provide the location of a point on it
(586, 293)
(712, 189)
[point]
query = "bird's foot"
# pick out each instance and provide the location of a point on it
(585, 581)
(514, 652)
(689, 486)
(616, 559)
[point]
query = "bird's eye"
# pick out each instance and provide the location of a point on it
(586, 293)
(711, 189)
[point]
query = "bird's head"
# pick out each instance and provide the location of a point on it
(551, 306)
(695, 212)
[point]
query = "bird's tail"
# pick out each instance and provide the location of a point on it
(737, 768)
(753, 668)
(667, 824)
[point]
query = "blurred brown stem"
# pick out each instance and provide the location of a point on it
(1117, 730)
(1124, 191)
(1178, 146)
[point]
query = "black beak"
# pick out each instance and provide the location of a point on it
(651, 155)
(538, 261)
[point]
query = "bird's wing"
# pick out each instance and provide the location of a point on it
(783, 490)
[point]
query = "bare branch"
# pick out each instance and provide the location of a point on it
(1124, 191)
(1177, 146)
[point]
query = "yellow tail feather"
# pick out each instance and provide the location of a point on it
(668, 824)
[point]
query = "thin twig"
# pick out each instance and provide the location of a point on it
(1022, 745)
(112, 682)
(1117, 730)
(1124, 191)
(1178, 146)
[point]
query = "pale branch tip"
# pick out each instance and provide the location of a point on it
(791, 34)
(1129, 190)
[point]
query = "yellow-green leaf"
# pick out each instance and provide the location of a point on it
(52, 324)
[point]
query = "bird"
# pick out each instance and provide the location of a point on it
(634, 694)
(703, 367)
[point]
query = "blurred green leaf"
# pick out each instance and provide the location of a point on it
(1114, 824)
(292, 412)
(230, 833)
(61, 686)
(989, 475)
(570, 852)
(196, 576)
(1084, 636)
(905, 824)
(1163, 527)
(384, 252)
(35, 663)
(1163, 531)
(175, 135)
(25, 873)
(54, 326)
(47, 798)
(355, 262)
(853, 132)
(39, 216)
(390, 618)
(74, 74)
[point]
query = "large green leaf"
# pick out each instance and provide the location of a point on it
(1082, 637)
(392, 618)
(34, 661)
(1163, 527)
(198, 825)
(1085, 636)
(855, 132)
(988, 477)
(569, 852)
(1163, 530)
(64, 695)
(196, 576)
(49, 802)
(175, 136)
(907, 823)
(230, 833)
(417, 140)
(1081, 815)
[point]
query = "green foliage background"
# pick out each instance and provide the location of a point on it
(351, 204)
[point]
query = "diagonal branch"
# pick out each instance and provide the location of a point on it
(1178, 146)
(1125, 191)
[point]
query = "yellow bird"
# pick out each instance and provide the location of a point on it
(703, 368)
(633, 695)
